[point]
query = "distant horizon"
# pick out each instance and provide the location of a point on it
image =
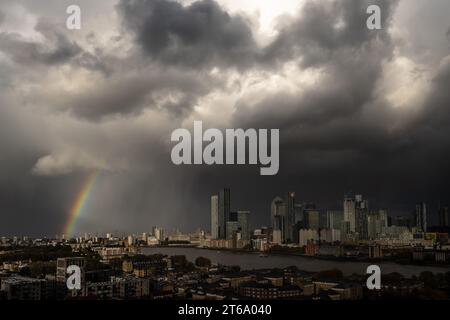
(430, 214)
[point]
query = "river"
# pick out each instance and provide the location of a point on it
(249, 261)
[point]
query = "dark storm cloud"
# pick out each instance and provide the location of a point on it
(171, 91)
(200, 34)
(350, 56)
(321, 28)
(338, 134)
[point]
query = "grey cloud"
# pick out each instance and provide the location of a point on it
(171, 91)
(350, 60)
(56, 49)
(322, 28)
(196, 35)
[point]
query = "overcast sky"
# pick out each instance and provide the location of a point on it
(357, 109)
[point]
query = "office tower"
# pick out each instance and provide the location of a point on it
(215, 217)
(233, 216)
(243, 220)
(298, 209)
(312, 219)
(444, 218)
(322, 219)
(401, 221)
(232, 228)
(290, 216)
(383, 216)
(350, 211)
(421, 216)
(307, 235)
(283, 216)
(361, 213)
(334, 219)
(276, 236)
(372, 221)
(345, 229)
(329, 235)
(224, 212)
(278, 209)
(159, 233)
(296, 229)
(376, 221)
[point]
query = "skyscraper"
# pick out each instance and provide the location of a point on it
(421, 216)
(361, 213)
(376, 221)
(298, 213)
(224, 212)
(243, 218)
(283, 216)
(290, 217)
(277, 215)
(215, 217)
(350, 211)
(232, 229)
(401, 221)
(312, 219)
(334, 219)
(444, 218)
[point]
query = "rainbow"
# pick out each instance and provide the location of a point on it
(80, 202)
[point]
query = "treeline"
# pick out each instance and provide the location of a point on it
(44, 253)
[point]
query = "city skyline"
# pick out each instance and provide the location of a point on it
(436, 216)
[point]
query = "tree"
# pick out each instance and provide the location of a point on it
(428, 279)
(333, 274)
(202, 262)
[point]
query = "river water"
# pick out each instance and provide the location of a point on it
(249, 261)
